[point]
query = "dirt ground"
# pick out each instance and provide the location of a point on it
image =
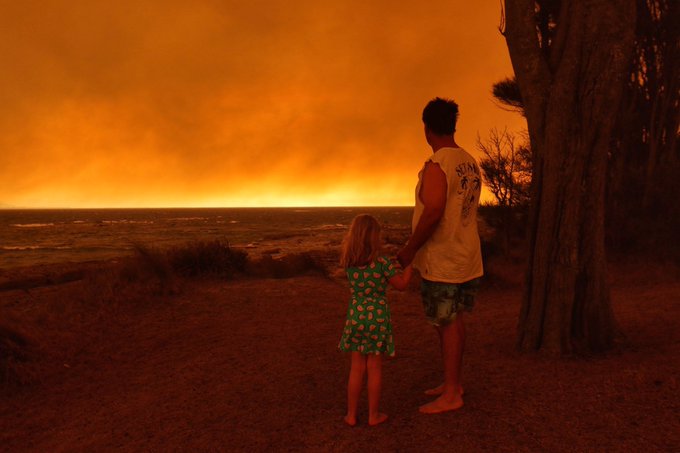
(252, 365)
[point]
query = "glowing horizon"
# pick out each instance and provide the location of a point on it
(236, 105)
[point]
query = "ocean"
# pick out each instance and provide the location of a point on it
(37, 236)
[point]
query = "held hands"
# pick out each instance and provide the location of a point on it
(400, 281)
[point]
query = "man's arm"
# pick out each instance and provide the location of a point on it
(433, 195)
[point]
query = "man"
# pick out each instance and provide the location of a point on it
(444, 244)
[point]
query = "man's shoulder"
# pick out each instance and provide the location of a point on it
(451, 151)
(453, 156)
(462, 154)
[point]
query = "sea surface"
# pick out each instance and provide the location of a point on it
(36, 236)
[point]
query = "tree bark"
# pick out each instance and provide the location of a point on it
(571, 91)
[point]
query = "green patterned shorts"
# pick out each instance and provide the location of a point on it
(442, 301)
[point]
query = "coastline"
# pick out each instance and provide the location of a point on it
(323, 245)
(57, 236)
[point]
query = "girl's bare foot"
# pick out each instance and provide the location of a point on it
(350, 420)
(440, 389)
(442, 404)
(378, 419)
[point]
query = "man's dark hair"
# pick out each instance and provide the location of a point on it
(440, 116)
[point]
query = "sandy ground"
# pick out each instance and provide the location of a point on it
(252, 365)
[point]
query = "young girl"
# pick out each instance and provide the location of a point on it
(368, 329)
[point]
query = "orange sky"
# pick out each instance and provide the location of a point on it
(232, 103)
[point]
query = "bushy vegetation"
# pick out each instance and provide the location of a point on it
(506, 164)
(157, 271)
(508, 235)
(206, 258)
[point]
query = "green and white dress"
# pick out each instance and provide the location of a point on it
(368, 328)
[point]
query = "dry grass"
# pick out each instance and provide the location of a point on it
(253, 364)
(287, 266)
(16, 351)
(40, 311)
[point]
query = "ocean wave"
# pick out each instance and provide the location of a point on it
(32, 225)
(328, 227)
(32, 247)
(141, 222)
(188, 218)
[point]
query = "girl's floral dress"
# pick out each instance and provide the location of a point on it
(368, 328)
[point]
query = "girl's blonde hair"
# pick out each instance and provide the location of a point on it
(362, 243)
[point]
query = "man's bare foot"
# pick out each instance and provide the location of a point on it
(440, 389)
(378, 419)
(442, 404)
(351, 421)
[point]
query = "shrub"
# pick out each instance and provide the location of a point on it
(147, 271)
(206, 258)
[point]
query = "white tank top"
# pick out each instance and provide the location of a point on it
(453, 253)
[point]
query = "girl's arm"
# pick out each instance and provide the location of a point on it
(400, 281)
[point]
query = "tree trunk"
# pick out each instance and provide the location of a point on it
(571, 91)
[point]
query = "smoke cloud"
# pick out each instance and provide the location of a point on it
(226, 103)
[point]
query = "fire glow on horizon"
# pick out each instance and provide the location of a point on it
(225, 103)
